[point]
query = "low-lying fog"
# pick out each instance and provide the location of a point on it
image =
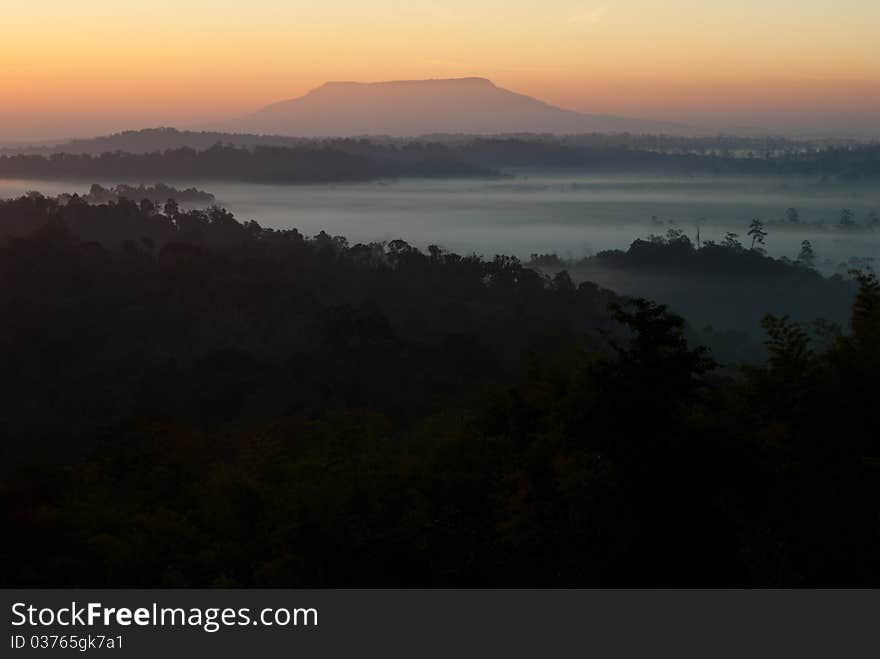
(572, 214)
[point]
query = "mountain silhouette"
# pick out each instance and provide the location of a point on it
(420, 107)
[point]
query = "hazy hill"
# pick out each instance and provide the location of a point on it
(418, 107)
(151, 140)
(345, 159)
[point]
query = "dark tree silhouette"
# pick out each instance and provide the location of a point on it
(807, 257)
(757, 233)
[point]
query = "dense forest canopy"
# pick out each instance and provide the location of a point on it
(156, 194)
(355, 160)
(150, 140)
(306, 164)
(728, 285)
(191, 400)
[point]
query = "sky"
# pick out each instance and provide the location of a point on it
(79, 68)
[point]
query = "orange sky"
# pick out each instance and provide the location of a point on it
(75, 67)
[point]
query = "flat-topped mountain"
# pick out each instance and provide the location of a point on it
(420, 107)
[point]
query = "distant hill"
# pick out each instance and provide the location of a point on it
(151, 140)
(300, 160)
(419, 107)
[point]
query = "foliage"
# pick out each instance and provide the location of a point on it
(194, 401)
(167, 154)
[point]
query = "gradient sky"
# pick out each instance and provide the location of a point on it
(77, 67)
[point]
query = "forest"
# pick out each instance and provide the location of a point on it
(727, 285)
(157, 194)
(191, 400)
(150, 140)
(338, 160)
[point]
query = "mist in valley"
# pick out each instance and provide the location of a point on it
(570, 214)
(248, 372)
(577, 217)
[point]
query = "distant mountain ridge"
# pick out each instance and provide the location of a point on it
(407, 108)
(151, 140)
